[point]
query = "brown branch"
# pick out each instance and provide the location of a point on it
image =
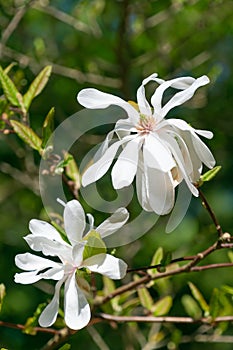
(22, 327)
(164, 319)
(190, 267)
(211, 213)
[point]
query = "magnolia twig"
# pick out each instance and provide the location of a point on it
(164, 319)
(211, 213)
(22, 327)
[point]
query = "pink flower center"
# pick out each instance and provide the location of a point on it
(146, 124)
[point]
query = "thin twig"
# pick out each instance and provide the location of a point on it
(211, 213)
(164, 319)
(22, 327)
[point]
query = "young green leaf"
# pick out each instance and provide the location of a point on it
(210, 174)
(27, 135)
(191, 306)
(167, 257)
(215, 306)
(9, 89)
(157, 257)
(95, 245)
(144, 296)
(162, 306)
(199, 298)
(2, 294)
(65, 347)
(37, 86)
(48, 127)
(72, 171)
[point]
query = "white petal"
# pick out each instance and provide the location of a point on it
(188, 84)
(107, 265)
(160, 191)
(203, 151)
(183, 96)
(92, 98)
(141, 97)
(156, 154)
(181, 164)
(44, 229)
(27, 277)
(49, 314)
(125, 168)
(47, 246)
(74, 221)
(142, 186)
(98, 169)
(77, 254)
(29, 262)
(76, 307)
(113, 223)
(205, 133)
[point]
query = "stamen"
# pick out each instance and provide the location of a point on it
(146, 124)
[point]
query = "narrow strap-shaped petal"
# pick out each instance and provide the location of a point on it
(107, 265)
(161, 191)
(203, 151)
(93, 99)
(27, 277)
(185, 95)
(141, 97)
(172, 143)
(156, 154)
(47, 246)
(49, 314)
(142, 185)
(44, 229)
(76, 308)
(98, 169)
(74, 221)
(29, 262)
(125, 168)
(113, 223)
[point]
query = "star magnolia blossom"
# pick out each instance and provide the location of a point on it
(46, 238)
(160, 152)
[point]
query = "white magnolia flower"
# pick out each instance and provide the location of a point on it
(45, 238)
(160, 152)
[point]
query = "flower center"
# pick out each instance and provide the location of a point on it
(145, 125)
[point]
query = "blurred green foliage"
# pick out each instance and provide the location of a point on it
(112, 45)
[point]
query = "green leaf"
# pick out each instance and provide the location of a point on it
(191, 306)
(157, 257)
(9, 89)
(162, 306)
(27, 135)
(72, 171)
(144, 296)
(230, 255)
(95, 245)
(8, 68)
(37, 86)
(2, 294)
(227, 289)
(199, 297)
(31, 323)
(210, 174)
(63, 163)
(167, 257)
(215, 307)
(65, 347)
(48, 127)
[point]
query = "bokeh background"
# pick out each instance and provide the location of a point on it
(112, 45)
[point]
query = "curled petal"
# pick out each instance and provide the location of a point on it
(156, 154)
(107, 265)
(49, 314)
(125, 168)
(161, 191)
(74, 221)
(98, 169)
(141, 97)
(44, 229)
(27, 277)
(113, 223)
(29, 262)
(92, 98)
(76, 307)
